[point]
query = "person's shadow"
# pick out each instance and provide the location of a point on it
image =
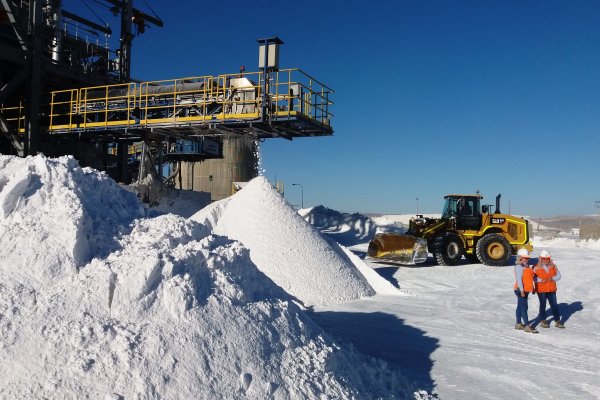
(566, 310)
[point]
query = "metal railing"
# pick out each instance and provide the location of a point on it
(62, 104)
(15, 116)
(104, 106)
(176, 100)
(222, 98)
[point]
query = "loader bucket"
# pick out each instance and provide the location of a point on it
(403, 249)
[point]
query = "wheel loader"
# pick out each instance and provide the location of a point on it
(466, 227)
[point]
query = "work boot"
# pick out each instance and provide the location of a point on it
(530, 329)
(520, 327)
(559, 324)
(544, 324)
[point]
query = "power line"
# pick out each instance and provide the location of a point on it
(152, 11)
(85, 3)
(102, 4)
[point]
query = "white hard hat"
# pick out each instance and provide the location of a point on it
(523, 253)
(544, 254)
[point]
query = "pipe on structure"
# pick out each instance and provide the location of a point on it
(34, 52)
(57, 39)
(159, 89)
(104, 29)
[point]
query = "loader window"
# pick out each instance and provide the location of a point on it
(469, 214)
(449, 208)
(470, 207)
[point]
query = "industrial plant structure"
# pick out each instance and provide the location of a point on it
(88, 106)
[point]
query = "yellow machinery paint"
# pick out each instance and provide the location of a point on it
(192, 101)
(465, 228)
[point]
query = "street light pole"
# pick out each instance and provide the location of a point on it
(417, 205)
(301, 192)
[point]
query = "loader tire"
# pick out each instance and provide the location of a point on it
(493, 249)
(447, 249)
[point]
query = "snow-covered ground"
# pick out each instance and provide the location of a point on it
(454, 333)
(101, 298)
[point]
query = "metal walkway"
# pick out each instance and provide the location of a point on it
(298, 105)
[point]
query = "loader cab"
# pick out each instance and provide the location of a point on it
(466, 209)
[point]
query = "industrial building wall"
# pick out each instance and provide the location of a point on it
(239, 164)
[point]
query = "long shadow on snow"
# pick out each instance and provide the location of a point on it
(360, 254)
(353, 236)
(406, 349)
(566, 310)
(387, 273)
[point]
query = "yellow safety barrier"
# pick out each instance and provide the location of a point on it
(14, 116)
(62, 105)
(239, 96)
(104, 106)
(222, 99)
(176, 100)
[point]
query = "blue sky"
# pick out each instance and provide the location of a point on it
(432, 97)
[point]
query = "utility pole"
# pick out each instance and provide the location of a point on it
(417, 205)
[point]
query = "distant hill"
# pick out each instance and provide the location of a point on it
(565, 223)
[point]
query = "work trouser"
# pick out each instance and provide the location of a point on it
(551, 297)
(522, 308)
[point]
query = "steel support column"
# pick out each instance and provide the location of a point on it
(34, 54)
(122, 158)
(126, 39)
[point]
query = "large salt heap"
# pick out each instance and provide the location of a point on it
(164, 309)
(55, 215)
(285, 247)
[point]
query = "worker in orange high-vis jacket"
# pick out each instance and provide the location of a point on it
(547, 274)
(524, 284)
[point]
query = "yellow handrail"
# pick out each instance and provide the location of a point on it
(224, 97)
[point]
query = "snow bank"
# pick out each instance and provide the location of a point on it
(180, 202)
(55, 216)
(164, 309)
(348, 232)
(402, 220)
(171, 315)
(285, 247)
(349, 229)
(560, 242)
